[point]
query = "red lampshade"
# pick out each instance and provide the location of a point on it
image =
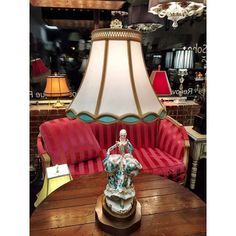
(160, 83)
(39, 70)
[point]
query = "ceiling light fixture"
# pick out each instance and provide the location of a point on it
(176, 10)
(51, 27)
(141, 20)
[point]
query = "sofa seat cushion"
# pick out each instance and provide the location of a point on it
(69, 141)
(153, 160)
(157, 162)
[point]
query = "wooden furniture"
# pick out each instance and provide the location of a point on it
(161, 146)
(167, 208)
(197, 151)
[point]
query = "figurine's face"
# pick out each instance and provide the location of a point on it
(123, 134)
(123, 137)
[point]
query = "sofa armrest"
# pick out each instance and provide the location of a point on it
(46, 159)
(173, 139)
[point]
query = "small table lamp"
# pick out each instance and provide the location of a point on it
(160, 82)
(57, 87)
(55, 177)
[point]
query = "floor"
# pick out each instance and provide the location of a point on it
(200, 189)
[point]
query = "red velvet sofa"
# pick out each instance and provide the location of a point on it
(161, 146)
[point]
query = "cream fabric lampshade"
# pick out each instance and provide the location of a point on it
(116, 85)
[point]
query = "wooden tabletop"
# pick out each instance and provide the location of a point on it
(167, 208)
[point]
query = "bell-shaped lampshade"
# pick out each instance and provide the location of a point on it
(38, 70)
(116, 84)
(56, 86)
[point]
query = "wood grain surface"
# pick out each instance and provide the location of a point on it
(168, 209)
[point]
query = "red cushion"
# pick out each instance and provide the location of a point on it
(88, 167)
(69, 141)
(157, 162)
(141, 134)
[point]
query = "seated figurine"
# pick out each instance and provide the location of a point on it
(121, 168)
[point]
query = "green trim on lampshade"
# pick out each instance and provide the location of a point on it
(163, 114)
(150, 118)
(71, 114)
(107, 119)
(130, 119)
(85, 117)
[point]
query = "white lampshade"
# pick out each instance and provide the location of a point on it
(184, 59)
(116, 84)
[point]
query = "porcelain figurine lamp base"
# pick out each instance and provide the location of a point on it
(117, 210)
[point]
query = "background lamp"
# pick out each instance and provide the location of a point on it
(176, 10)
(160, 82)
(116, 85)
(183, 61)
(57, 87)
(55, 177)
(39, 71)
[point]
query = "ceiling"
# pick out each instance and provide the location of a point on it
(85, 15)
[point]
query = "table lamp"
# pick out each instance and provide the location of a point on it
(183, 61)
(116, 88)
(57, 87)
(160, 82)
(55, 177)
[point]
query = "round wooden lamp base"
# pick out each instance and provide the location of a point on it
(115, 224)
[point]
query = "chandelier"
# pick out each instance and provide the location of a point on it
(140, 19)
(176, 10)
